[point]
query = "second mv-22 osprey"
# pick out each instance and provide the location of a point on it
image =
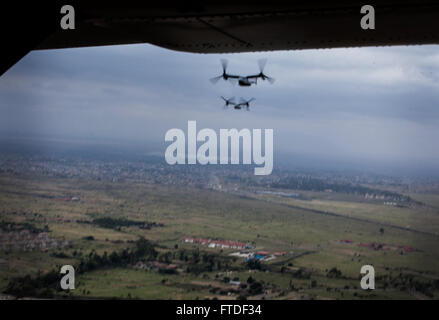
(243, 81)
(238, 106)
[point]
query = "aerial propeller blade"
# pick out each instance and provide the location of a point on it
(230, 101)
(270, 79)
(224, 63)
(215, 79)
(262, 63)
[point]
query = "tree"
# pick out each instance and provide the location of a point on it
(334, 273)
(256, 288)
(254, 264)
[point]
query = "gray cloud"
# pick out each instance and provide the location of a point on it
(362, 103)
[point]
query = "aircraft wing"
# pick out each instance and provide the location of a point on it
(221, 26)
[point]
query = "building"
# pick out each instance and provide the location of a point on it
(223, 244)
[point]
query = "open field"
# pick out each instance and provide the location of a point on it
(302, 229)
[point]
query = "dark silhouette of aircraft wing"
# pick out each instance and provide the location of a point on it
(220, 26)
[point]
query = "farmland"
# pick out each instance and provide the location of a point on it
(303, 229)
(325, 238)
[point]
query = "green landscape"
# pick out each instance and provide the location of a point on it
(125, 239)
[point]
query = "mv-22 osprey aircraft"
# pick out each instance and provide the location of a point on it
(243, 81)
(238, 106)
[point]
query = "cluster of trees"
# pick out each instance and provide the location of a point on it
(313, 184)
(255, 287)
(46, 286)
(334, 273)
(60, 255)
(254, 264)
(111, 223)
(409, 282)
(301, 274)
(143, 249)
(198, 262)
(12, 226)
(42, 286)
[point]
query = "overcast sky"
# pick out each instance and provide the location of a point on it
(377, 104)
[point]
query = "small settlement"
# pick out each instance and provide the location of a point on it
(247, 250)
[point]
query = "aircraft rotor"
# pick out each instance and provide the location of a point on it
(262, 63)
